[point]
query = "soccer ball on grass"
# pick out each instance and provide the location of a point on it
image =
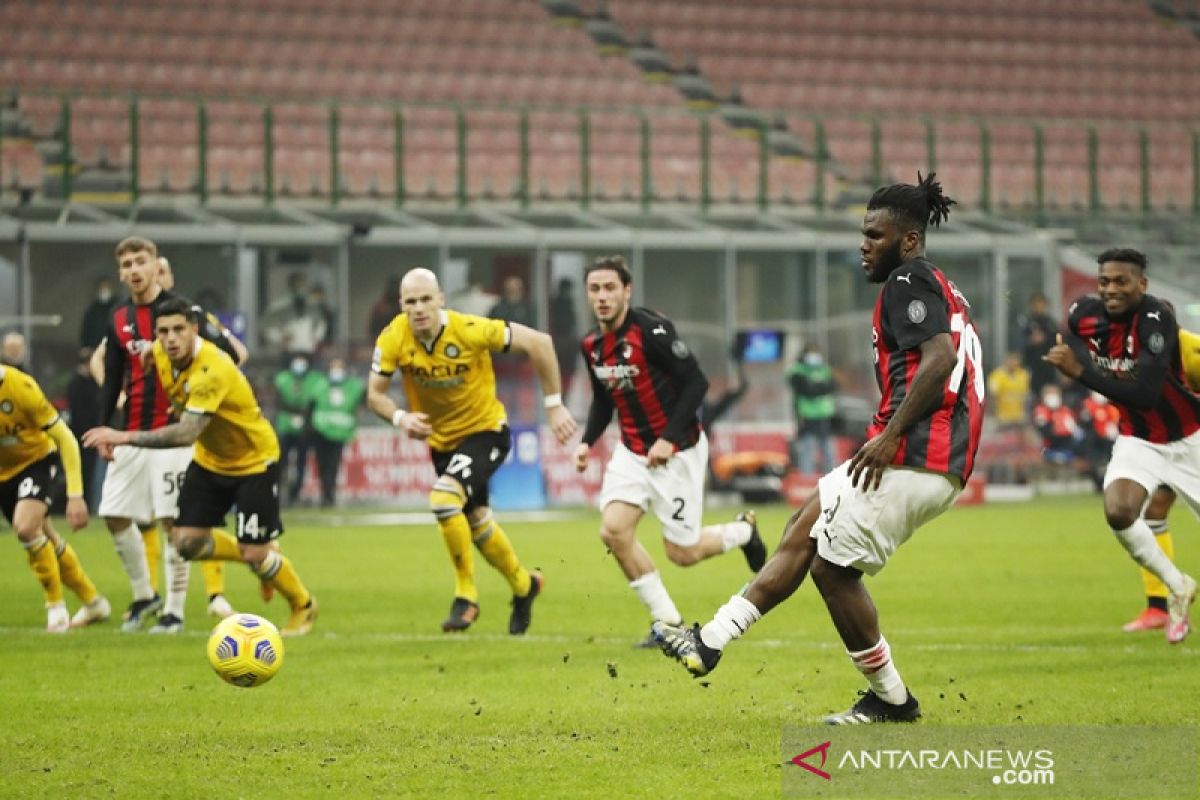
(245, 650)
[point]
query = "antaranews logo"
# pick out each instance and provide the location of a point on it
(823, 749)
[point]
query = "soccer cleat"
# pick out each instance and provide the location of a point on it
(57, 618)
(462, 613)
(301, 621)
(167, 623)
(871, 709)
(266, 591)
(140, 612)
(219, 607)
(522, 607)
(754, 550)
(1151, 619)
(649, 643)
(685, 646)
(1178, 605)
(96, 611)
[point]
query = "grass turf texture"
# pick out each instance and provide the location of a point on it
(996, 615)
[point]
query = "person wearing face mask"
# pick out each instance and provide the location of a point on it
(336, 399)
(813, 389)
(1057, 425)
(95, 318)
(296, 386)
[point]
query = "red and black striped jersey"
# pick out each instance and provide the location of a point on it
(916, 303)
(647, 374)
(1136, 363)
(131, 333)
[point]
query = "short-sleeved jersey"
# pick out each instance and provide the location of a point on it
(25, 416)
(1009, 391)
(641, 368)
(918, 302)
(1147, 336)
(238, 440)
(1189, 355)
(451, 379)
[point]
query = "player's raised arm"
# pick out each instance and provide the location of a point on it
(540, 349)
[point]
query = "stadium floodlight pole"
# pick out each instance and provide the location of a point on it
(65, 134)
(398, 155)
(1144, 147)
(202, 151)
(134, 157)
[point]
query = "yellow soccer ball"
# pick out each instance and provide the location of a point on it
(245, 650)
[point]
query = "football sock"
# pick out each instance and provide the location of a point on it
(278, 569)
(446, 502)
(493, 542)
(653, 594)
(178, 572)
(45, 567)
(133, 557)
(1156, 589)
(875, 663)
(152, 543)
(214, 577)
(1138, 540)
(224, 547)
(71, 572)
(732, 534)
(731, 621)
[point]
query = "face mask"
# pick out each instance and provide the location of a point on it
(814, 359)
(1099, 398)
(1053, 401)
(299, 366)
(337, 375)
(104, 295)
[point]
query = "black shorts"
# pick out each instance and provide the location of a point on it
(206, 498)
(42, 480)
(473, 463)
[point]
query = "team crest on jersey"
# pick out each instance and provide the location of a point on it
(6, 406)
(1156, 343)
(627, 351)
(917, 312)
(452, 350)
(679, 349)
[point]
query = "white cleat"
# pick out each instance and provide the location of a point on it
(219, 607)
(1178, 606)
(57, 618)
(96, 611)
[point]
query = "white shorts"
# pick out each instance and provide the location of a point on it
(1175, 464)
(143, 484)
(862, 529)
(674, 491)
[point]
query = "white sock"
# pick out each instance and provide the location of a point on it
(731, 621)
(133, 557)
(732, 534)
(875, 663)
(1139, 541)
(653, 594)
(178, 572)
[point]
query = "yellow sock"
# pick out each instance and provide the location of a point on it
(214, 577)
(278, 569)
(225, 548)
(45, 567)
(491, 540)
(1155, 587)
(446, 501)
(153, 544)
(72, 574)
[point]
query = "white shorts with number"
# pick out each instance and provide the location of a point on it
(674, 491)
(143, 484)
(1175, 464)
(862, 529)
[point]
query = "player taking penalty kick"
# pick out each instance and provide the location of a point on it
(236, 458)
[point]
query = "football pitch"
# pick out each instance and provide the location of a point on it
(996, 615)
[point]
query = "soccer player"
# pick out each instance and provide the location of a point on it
(445, 358)
(1125, 345)
(919, 453)
(236, 457)
(640, 368)
(140, 485)
(31, 479)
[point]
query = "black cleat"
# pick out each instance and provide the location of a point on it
(462, 613)
(685, 646)
(871, 709)
(755, 550)
(141, 612)
(522, 607)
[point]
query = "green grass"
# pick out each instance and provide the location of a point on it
(997, 615)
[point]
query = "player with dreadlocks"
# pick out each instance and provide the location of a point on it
(919, 453)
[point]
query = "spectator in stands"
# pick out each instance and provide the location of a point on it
(336, 399)
(95, 317)
(296, 387)
(1056, 422)
(1101, 422)
(1008, 387)
(514, 305)
(292, 322)
(564, 330)
(386, 307)
(14, 351)
(319, 302)
(1036, 334)
(813, 391)
(83, 403)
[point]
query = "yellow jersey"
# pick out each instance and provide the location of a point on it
(238, 440)
(1008, 392)
(1189, 353)
(451, 379)
(25, 416)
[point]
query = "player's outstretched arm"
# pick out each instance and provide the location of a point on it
(414, 424)
(540, 349)
(179, 434)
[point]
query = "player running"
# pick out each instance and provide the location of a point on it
(1125, 345)
(445, 358)
(643, 370)
(235, 462)
(920, 451)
